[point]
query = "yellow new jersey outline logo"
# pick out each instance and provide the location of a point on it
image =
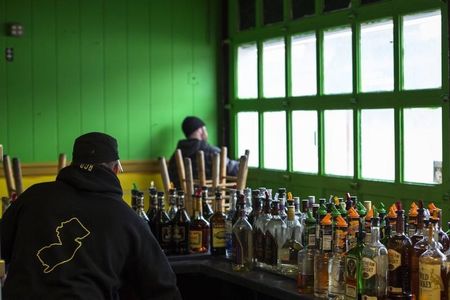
(59, 243)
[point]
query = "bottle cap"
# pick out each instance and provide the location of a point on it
(327, 220)
(352, 213)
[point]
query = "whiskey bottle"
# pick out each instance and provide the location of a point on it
(368, 223)
(199, 230)
(274, 238)
(374, 266)
(259, 232)
(180, 227)
(230, 216)
(353, 227)
(432, 270)
(140, 207)
(153, 209)
(353, 268)
(392, 218)
(162, 225)
(172, 203)
(321, 213)
(207, 210)
(419, 243)
(242, 240)
(292, 244)
(322, 258)
(257, 207)
(336, 267)
(412, 219)
(305, 279)
(134, 193)
(400, 255)
(217, 222)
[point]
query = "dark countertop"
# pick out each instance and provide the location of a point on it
(263, 282)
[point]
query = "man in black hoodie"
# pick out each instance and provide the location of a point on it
(75, 238)
(197, 139)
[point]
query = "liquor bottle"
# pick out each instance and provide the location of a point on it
(419, 243)
(140, 207)
(321, 213)
(382, 215)
(361, 209)
(399, 253)
(387, 234)
(153, 209)
(305, 279)
(374, 266)
(206, 208)
(443, 237)
(300, 209)
(336, 267)
(412, 219)
(259, 232)
(448, 228)
(180, 227)
(230, 215)
(368, 223)
(163, 230)
(217, 223)
(353, 227)
(199, 229)
(292, 244)
(172, 203)
(134, 193)
(353, 268)
(432, 269)
(282, 203)
(392, 218)
(242, 240)
(257, 207)
(322, 258)
(275, 232)
(248, 201)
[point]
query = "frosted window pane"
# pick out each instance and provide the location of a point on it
(422, 51)
(377, 56)
(422, 145)
(339, 142)
(247, 72)
(303, 57)
(378, 144)
(304, 141)
(248, 136)
(275, 140)
(337, 67)
(273, 69)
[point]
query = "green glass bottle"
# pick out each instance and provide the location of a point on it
(353, 268)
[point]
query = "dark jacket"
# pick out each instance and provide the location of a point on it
(189, 148)
(76, 238)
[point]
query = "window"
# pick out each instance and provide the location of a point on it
(274, 69)
(301, 8)
(303, 68)
(247, 14)
(305, 142)
(273, 11)
(275, 140)
(337, 48)
(247, 71)
(248, 137)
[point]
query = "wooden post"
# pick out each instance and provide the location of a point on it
(164, 174)
(201, 168)
(17, 173)
(223, 166)
(62, 161)
(189, 186)
(180, 169)
(7, 169)
(215, 172)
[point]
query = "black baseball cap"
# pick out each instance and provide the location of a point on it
(191, 124)
(95, 148)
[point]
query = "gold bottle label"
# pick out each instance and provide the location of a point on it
(369, 267)
(395, 259)
(195, 238)
(218, 237)
(430, 281)
(364, 297)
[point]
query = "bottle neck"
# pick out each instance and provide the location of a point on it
(374, 234)
(400, 225)
(219, 205)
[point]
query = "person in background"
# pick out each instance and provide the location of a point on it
(196, 135)
(75, 238)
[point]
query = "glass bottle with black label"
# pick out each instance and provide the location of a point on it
(172, 203)
(153, 209)
(274, 237)
(162, 225)
(256, 207)
(140, 206)
(400, 255)
(217, 222)
(199, 229)
(180, 227)
(242, 240)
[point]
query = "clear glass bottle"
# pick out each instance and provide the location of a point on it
(322, 258)
(206, 207)
(257, 207)
(353, 268)
(374, 266)
(432, 269)
(292, 244)
(259, 232)
(248, 201)
(282, 203)
(336, 267)
(242, 240)
(180, 227)
(400, 256)
(172, 203)
(217, 223)
(305, 279)
(274, 238)
(230, 216)
(199, 229)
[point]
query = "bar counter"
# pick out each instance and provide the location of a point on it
(208, 277)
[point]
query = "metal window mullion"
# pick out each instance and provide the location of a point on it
(356, 88)
(260, 99)
(398, 84)
(288, 85)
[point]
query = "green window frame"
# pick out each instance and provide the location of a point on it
(397, 99)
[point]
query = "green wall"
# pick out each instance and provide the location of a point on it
(131, 68)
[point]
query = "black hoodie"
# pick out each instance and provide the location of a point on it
(189, 148)
(76, 238)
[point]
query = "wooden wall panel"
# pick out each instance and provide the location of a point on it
(120, 66)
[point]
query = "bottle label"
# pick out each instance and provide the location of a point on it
(340, 238)
(179, 234)
(166, 235)
(365, 297)
(259, 245)
(326, 242)
(430, 281)
(312, 240)
(218, 236)
(395, 259)
(271, 250)
(350, 291)
(195, 238)
(369, 268)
